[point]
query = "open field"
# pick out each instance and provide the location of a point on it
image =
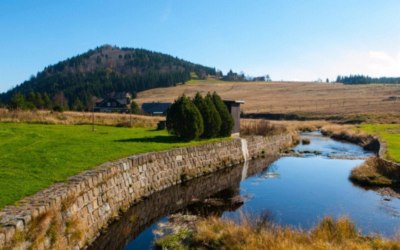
(34, 156)
(71, 117)
(303, 98)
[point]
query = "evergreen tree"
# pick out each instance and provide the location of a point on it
(184, 119)
(78, 105)
(134, 108)
(17, 102)
(39, 101)
(211, 118)
(31, 97)
(226, 117)
(46, 101)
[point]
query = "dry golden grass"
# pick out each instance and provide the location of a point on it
(214, 233)
(70, 117)
(261, 127)
(304, 126)
(308, 98)
(348, 133)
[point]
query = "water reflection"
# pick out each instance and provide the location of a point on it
(297, 191)
(223, 185)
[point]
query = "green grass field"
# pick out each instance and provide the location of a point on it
(33, 156)
(391, 134)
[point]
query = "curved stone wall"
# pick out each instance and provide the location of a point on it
(71, 215)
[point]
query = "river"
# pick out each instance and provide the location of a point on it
(297, 191)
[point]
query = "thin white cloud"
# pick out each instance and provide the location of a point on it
(166, 14)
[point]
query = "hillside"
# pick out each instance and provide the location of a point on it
(306, 99)
(106, 69)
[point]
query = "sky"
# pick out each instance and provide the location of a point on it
(288, 40)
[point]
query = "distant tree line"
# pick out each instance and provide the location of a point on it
(361, 79)
(191, 119)
(232, 76)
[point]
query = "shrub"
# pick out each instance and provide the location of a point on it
(211, 118)
(184, 119)
(305, 141)
(58, 108)
(226, 117)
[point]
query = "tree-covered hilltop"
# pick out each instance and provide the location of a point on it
(107, 69)
(361, 79)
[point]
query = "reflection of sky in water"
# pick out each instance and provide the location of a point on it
(310, 188)
(327, 146)
(307, 189)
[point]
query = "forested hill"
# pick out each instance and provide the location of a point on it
(107, 69)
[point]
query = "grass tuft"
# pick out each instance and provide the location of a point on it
(215, 233)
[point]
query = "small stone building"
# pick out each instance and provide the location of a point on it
(234, 109)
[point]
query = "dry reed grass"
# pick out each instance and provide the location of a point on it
(260, 127)
(376, 172)
(368, 173)
(215, 233)
(70, 118)
(348, 133)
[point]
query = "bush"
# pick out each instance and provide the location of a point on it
(305, 141)
(226, 117)
(211, 118)
(58, 108)
(184, 119)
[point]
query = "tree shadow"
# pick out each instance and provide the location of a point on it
(154, 139)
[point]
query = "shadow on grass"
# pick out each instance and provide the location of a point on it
(154, 139)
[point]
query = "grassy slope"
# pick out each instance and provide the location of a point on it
(33, 156)
(391, 134)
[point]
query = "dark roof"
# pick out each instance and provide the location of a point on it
(233, 101)
(156, 107)
(111, 99)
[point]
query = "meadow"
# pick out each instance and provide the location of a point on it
(388, 132)
(305, 99)
(35, 156)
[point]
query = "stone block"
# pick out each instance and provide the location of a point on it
(9, 232)
(2, 240)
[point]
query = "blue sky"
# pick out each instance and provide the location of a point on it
(289, 40)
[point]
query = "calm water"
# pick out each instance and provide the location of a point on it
(297, 191)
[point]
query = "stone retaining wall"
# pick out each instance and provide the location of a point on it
(71, 215)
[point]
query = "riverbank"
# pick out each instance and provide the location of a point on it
(375, 171)
(262, 233)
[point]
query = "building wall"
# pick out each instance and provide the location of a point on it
(89, 200)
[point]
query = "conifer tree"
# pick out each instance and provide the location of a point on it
(184, 119)
(211, 117)
(226, 117)
(39, 101)
(46, 101)
(17, 102)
